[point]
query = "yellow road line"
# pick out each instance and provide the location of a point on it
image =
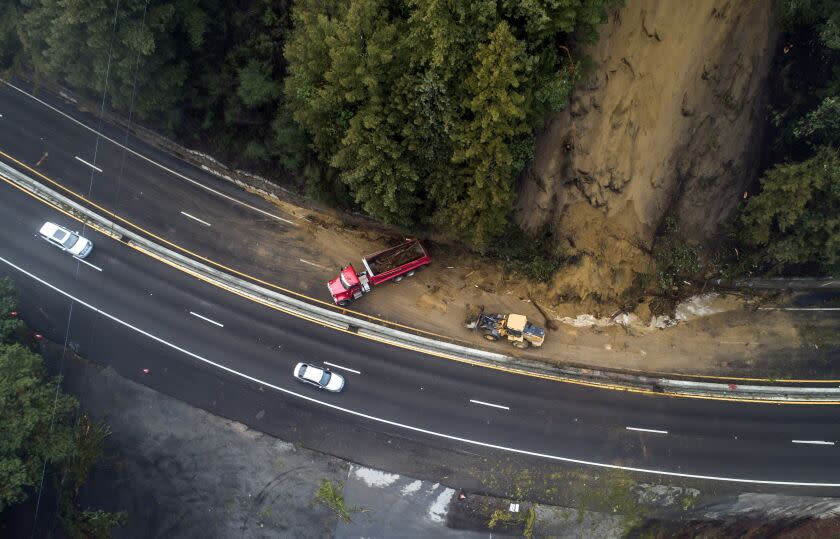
(210, 261)
(369, 317)
(510, 370)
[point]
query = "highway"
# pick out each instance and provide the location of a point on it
(134, 311)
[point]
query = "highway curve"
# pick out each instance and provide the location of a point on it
(131, 310)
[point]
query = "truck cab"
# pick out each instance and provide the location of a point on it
(392, 264)
(348, 286)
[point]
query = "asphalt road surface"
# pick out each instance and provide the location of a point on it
(123, 308)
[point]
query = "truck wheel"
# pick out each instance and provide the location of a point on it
(410, 274)
(398, 278)
(490, 337)
(344, 303)
(521, 345)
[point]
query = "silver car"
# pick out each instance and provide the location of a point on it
(318, 377)
(66, 240)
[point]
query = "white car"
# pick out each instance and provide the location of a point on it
(65, 240)
(318, 377)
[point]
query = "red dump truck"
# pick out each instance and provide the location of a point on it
(391, 264)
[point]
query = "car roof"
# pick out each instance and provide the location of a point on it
(49, 229)
(313, 374)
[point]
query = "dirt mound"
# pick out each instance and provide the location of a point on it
(671, 120)
(609, 252)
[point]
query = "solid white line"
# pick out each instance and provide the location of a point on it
(207, 319)
(822, 285)
(97, 268)
(185, 214)
(410, 427)
(141, 156)
(647, 430)
(814, 442)
(97, 169)
(489, 404)
(311, 263)
(799, 308)
(340, 367)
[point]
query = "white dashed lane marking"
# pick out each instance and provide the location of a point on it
(155, 163)
(207, 319)
(342, 368)
(654, 431)
(392, 423)
(94, 167)
(194, 218)
(97, 268)
(812, 442)
(490, 404)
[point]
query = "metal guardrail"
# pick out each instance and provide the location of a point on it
(366, 328)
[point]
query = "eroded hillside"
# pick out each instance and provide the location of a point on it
(669, 121)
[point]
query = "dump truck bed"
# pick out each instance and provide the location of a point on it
(401, 255)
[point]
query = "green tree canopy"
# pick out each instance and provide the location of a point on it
(476, 203)
(368, 57)
(793, 224)
(39, 433)
(208, 71)
(10, 324)
(389, 94)
(427, 108)
(79, 41)
(28, 432)
(795, 220)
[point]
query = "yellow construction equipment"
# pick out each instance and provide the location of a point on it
(513, 327)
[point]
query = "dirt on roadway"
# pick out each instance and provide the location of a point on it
(724, 335)
(717, 335)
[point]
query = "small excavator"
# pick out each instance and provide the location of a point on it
(513, 327)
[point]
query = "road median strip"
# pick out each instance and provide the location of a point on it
(780, 394)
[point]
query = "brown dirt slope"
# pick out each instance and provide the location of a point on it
(670, 120)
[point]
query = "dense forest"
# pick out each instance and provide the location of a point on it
(794, 223)
(48, 445)
(420, 113)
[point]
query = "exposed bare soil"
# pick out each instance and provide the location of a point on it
(669, 120)
(723, 335)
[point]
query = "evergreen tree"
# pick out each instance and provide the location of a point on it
(315, 101)
(793, 224)
(10, 324)
(795, 221)
(543, 19)
(28, 433)
(39, 433)
(369, 55)
(425, 120)
(82, 41)
(378, 89)
(477, 201)
(9, 40)
(239, 96)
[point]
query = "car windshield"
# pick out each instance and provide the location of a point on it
(325, 379)
(66, 239)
